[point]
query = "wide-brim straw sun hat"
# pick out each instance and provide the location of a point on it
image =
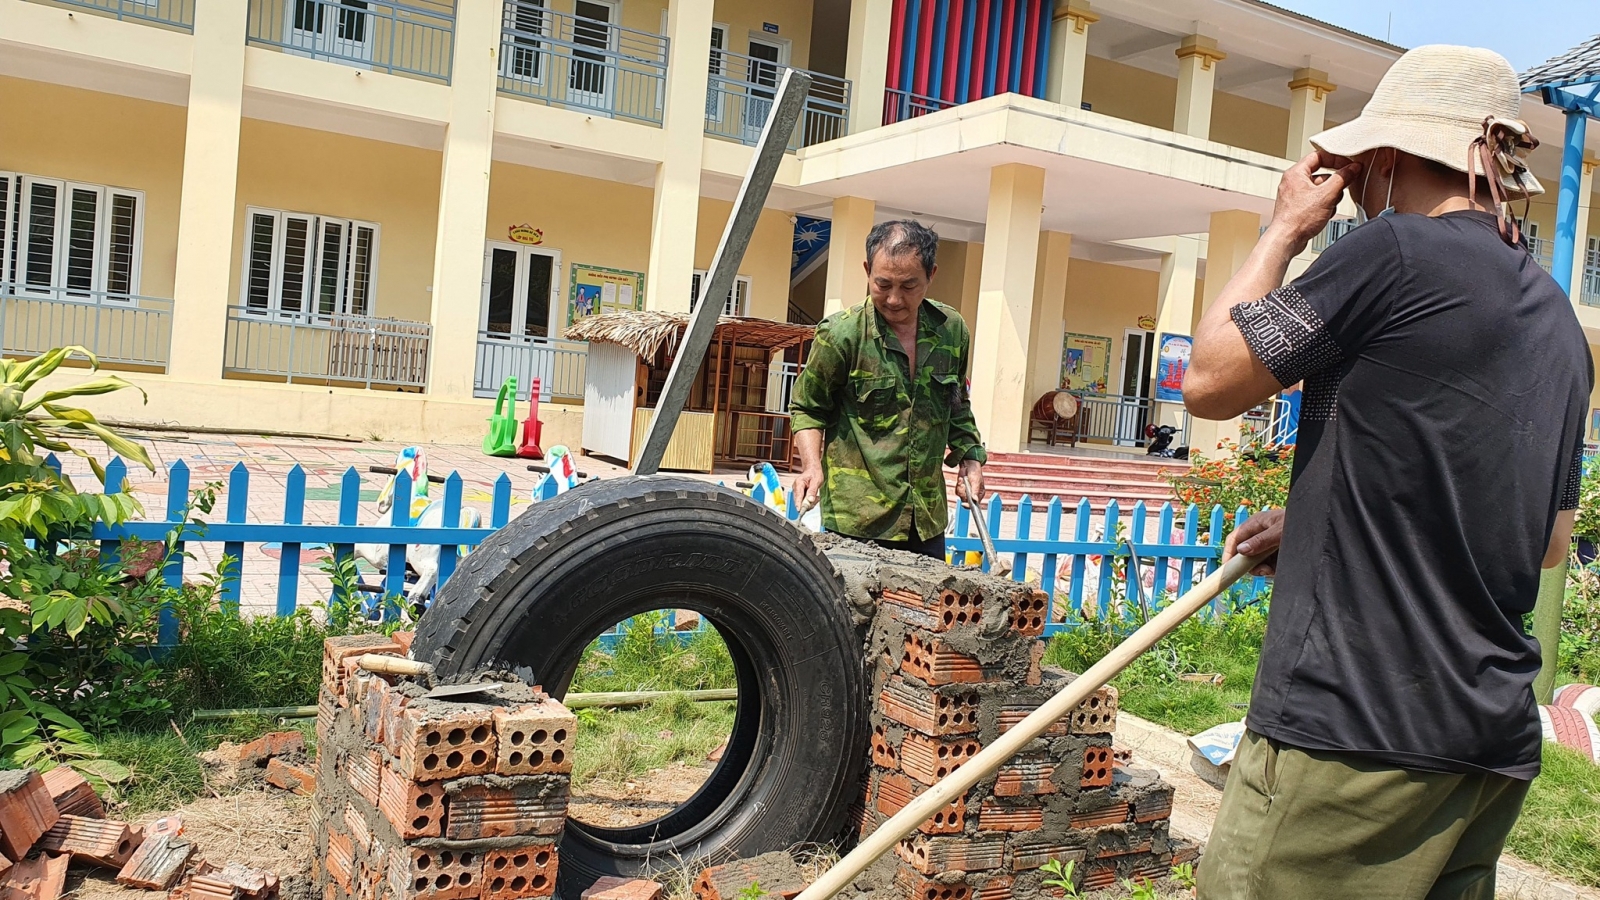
(1433, 103)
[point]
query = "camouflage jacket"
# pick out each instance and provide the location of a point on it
(886, 432)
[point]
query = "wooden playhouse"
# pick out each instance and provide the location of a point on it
(738, 408)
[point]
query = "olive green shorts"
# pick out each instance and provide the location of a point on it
(1304, 824)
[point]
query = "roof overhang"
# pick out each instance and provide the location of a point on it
(1106, 179)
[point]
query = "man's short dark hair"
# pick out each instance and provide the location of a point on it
(904, 236)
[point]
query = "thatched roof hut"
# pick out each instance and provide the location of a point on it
(647, 331)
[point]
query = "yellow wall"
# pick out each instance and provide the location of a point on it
(952, 274)
(591, 221)
(810, 295)
(744, 18)
(300, 170)
(1104, 301)
(1131, 93)
(62, 132)
(767, 260)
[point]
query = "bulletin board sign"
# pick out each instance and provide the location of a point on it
(1085, 362)
(597, 289)
(1594, 426)
(1172, 361)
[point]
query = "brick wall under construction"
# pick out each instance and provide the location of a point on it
(955, 661)
(435, 799)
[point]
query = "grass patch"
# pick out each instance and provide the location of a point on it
(1559, 828)
(167, 773)
(623, 744)
(1152, 689)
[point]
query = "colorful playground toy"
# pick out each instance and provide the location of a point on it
(422, 560)
(528, 447)
(502, 437)
(562, 477)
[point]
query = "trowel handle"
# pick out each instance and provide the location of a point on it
(393, 665)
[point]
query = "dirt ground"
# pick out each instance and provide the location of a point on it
(269, 829)
(624, 805)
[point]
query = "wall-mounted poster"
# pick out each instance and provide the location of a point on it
(596, 289)
(1594, 426)
(1172, 361)
(1085, 362)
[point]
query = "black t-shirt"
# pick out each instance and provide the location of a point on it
(1446, 380)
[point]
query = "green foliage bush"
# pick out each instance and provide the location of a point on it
(1255, 478)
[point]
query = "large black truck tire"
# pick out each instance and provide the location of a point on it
(539, 590)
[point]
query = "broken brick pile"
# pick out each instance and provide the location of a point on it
(955, 659)
(51, 821)
(434, 799)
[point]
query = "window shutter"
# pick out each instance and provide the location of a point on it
(41, 233)
(258, 284)
(7, 229)
(298, 256)
(83, 238)
(364, 245)
(122, 245)
(330, 266)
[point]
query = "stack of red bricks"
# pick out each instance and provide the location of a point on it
(957, 663)
(435, 799)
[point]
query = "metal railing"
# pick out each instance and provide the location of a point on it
(780, 385)
(1335, 229)
(1543, 252)
(1589, 291)
(1274, 423)
(177, 13)
(570, 61)
(1115, 417)
(741, 91)
(559, 365)
(359, 351)
(383, 36)
(125, 329)
(900, 105)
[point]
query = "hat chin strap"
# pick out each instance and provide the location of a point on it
(1500, 151)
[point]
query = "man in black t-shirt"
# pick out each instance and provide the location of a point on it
(1392, 730)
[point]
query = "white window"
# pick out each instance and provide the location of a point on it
(70, 240)
(300, 263)
(738, 302)
(523, 23)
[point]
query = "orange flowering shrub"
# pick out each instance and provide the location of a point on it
(1254, 477)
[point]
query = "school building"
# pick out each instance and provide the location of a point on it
(357, 217)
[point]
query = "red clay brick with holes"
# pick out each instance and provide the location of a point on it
(526, 805)
(269, 746)
(1097, 768)
(100, 842)
(936, 664)
(336, 650)
(26, 811)
(1024, 779)
(435, 743)
(291, 778)
(913, 885)
(415, 810)
(935, 712)
(341, 860)
(1028, 613)
(157, 863)
(895, 791)
(614, 888)
(883, 752)
(514, 874)
(535, 739)
(993, 816)
(420, 873)
(361, 772)
(957, 853)
(1025, 857)
(72, 794)
(929, 759)
(1114, 814)
(998, 887)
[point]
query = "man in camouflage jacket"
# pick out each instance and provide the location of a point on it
(875, 425)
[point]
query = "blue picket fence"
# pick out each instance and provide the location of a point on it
(1094, 586)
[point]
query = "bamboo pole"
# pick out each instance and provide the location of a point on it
(1035, 724)
(576, 700)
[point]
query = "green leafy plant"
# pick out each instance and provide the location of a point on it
(1586, 525)
(1183, 875)
(1140, 890)
(1251, 477)
(1059, 876)
(751, 891)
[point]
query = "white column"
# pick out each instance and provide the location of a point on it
(1308, 103)
(1233, 235)
(1580, 249)
(1069, 48)
(1049, 300)
(676, 214)
(1197, 78)
(200, 295)
(866, 61)
(847, 253)
(464, 201)
(1000, 372)
(1175, 306)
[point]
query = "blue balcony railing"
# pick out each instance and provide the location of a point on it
(176, 13)
(741, 90)
(581, 63)
(397, 38)
(1589, 291)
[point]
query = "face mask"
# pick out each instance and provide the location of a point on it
(1388, 200)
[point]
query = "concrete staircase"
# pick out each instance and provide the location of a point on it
(1042, 476)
